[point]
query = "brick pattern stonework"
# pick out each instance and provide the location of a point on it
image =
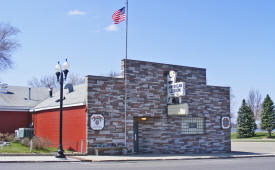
(147, 97)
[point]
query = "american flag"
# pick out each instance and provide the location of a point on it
(119, 16)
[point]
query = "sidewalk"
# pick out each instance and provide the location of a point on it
(21, 159)
(145, 157)
(93, 158)
(239, 150)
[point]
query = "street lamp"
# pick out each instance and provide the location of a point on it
(59, 74)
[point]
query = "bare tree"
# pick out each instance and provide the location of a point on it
(75, 79)
(232, 105)
(255, 102)
(34, 82)
(7, 45)
(48, 81)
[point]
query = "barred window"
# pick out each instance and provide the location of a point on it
(192, 125)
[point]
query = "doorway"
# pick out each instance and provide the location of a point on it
(135, 127)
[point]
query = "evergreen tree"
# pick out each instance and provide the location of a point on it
(246, 121)
(268, 115)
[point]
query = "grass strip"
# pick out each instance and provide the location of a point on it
(262, 136)
(17, 147)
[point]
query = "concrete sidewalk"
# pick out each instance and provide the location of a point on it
(146, 157)
(239, 150)
(93, 158)
(17, 159)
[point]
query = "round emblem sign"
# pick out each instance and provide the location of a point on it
(171, 77)
(172, 74)
(97, 121)
(225, 122)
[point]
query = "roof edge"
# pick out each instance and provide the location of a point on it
(56, 107)
(14, 108)
(142, 61)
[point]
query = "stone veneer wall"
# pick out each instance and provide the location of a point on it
(147, 91)
(105, 96)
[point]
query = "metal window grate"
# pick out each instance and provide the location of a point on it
(192, 125)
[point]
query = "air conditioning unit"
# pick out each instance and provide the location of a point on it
(25, 132)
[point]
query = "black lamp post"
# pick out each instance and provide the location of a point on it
(59, 74)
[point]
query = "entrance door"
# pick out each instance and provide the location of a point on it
(135, 136)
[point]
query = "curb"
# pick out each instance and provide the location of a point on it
(57, 160)
(186, 158)
(37, 161)
(77, 159)
(38, 154)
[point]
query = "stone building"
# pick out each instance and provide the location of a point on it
(196, 120)
(169, 109)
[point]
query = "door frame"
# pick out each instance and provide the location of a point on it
(135, 136)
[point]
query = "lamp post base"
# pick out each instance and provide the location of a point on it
(60, 153)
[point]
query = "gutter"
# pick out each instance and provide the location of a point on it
(14, 109)
(56, 107)
(27, 109)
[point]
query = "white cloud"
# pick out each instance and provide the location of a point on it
(76, 12)
(111, 27)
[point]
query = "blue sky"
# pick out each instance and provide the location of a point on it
(233, 39)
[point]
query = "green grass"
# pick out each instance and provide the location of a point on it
(258, 135)
(16, 147)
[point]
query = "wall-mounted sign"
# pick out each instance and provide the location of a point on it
(225, 122)
(97, 121)
(176, 89)
(178, 109)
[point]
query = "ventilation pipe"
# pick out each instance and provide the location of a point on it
(50, 92)
(29, 93)
(70, 87)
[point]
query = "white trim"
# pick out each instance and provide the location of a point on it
(87, 114)
(14, 108)
(56, 107)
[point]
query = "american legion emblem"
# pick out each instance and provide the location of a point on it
(97, 121)
(225, 122)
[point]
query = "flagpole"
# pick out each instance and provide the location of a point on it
(126, 28)
(125, 78)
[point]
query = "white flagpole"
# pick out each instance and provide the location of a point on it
(125, 78)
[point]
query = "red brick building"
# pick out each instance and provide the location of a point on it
(46, 119)
(15, 105)
(24, 107)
